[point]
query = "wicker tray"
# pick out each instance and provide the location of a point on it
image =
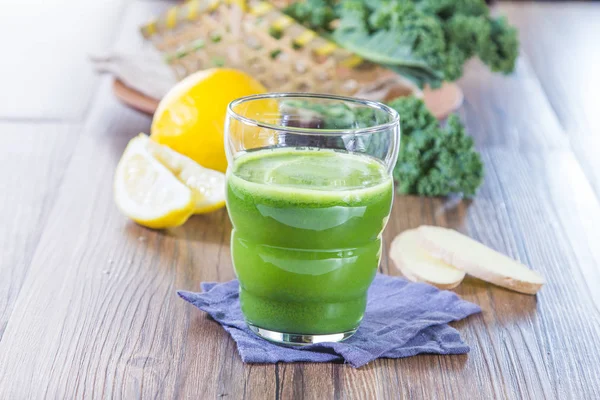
(283, 55)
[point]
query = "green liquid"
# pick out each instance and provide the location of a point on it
(306, 241)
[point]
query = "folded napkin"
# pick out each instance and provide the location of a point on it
(143, 70)
(402, 319)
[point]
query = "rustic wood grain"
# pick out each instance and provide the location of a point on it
(498, 109)
(88, 302)
(32, 165)
(530, 345)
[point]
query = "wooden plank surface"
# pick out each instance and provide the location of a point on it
(87, 299)
(42, 151)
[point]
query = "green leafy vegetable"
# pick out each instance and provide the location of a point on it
(427, 41)
(315, 14)
(394, 34)
(434, 160)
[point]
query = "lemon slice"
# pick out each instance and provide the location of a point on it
(147, 192)
(207, 185)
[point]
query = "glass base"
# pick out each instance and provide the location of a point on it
(297, 339)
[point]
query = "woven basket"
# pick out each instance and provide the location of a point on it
(260, 40)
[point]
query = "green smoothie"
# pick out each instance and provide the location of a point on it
(306, 241)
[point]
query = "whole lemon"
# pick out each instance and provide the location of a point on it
(190, 118)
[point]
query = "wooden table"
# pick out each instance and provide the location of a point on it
(87, 299)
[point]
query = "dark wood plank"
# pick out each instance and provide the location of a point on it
(522, 346)
(118, 329)
(34, 158)
(45, 42)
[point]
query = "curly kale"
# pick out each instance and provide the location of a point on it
(394, 34)
(434, 160)
(445, 9)
(315, 14)
(427, 41)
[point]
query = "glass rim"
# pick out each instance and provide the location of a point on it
(393, 114)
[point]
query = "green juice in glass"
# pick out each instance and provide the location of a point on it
(306, 241)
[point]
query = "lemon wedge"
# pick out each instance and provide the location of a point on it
(207, 185)
(147, 192)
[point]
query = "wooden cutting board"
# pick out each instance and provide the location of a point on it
(440, 102)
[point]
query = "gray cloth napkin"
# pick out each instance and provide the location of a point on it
(402, 319)
(143, 70)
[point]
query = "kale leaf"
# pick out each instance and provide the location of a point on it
(314, 14)
(428, 41)
(434, 160)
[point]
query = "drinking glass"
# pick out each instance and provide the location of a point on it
(309, 192)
